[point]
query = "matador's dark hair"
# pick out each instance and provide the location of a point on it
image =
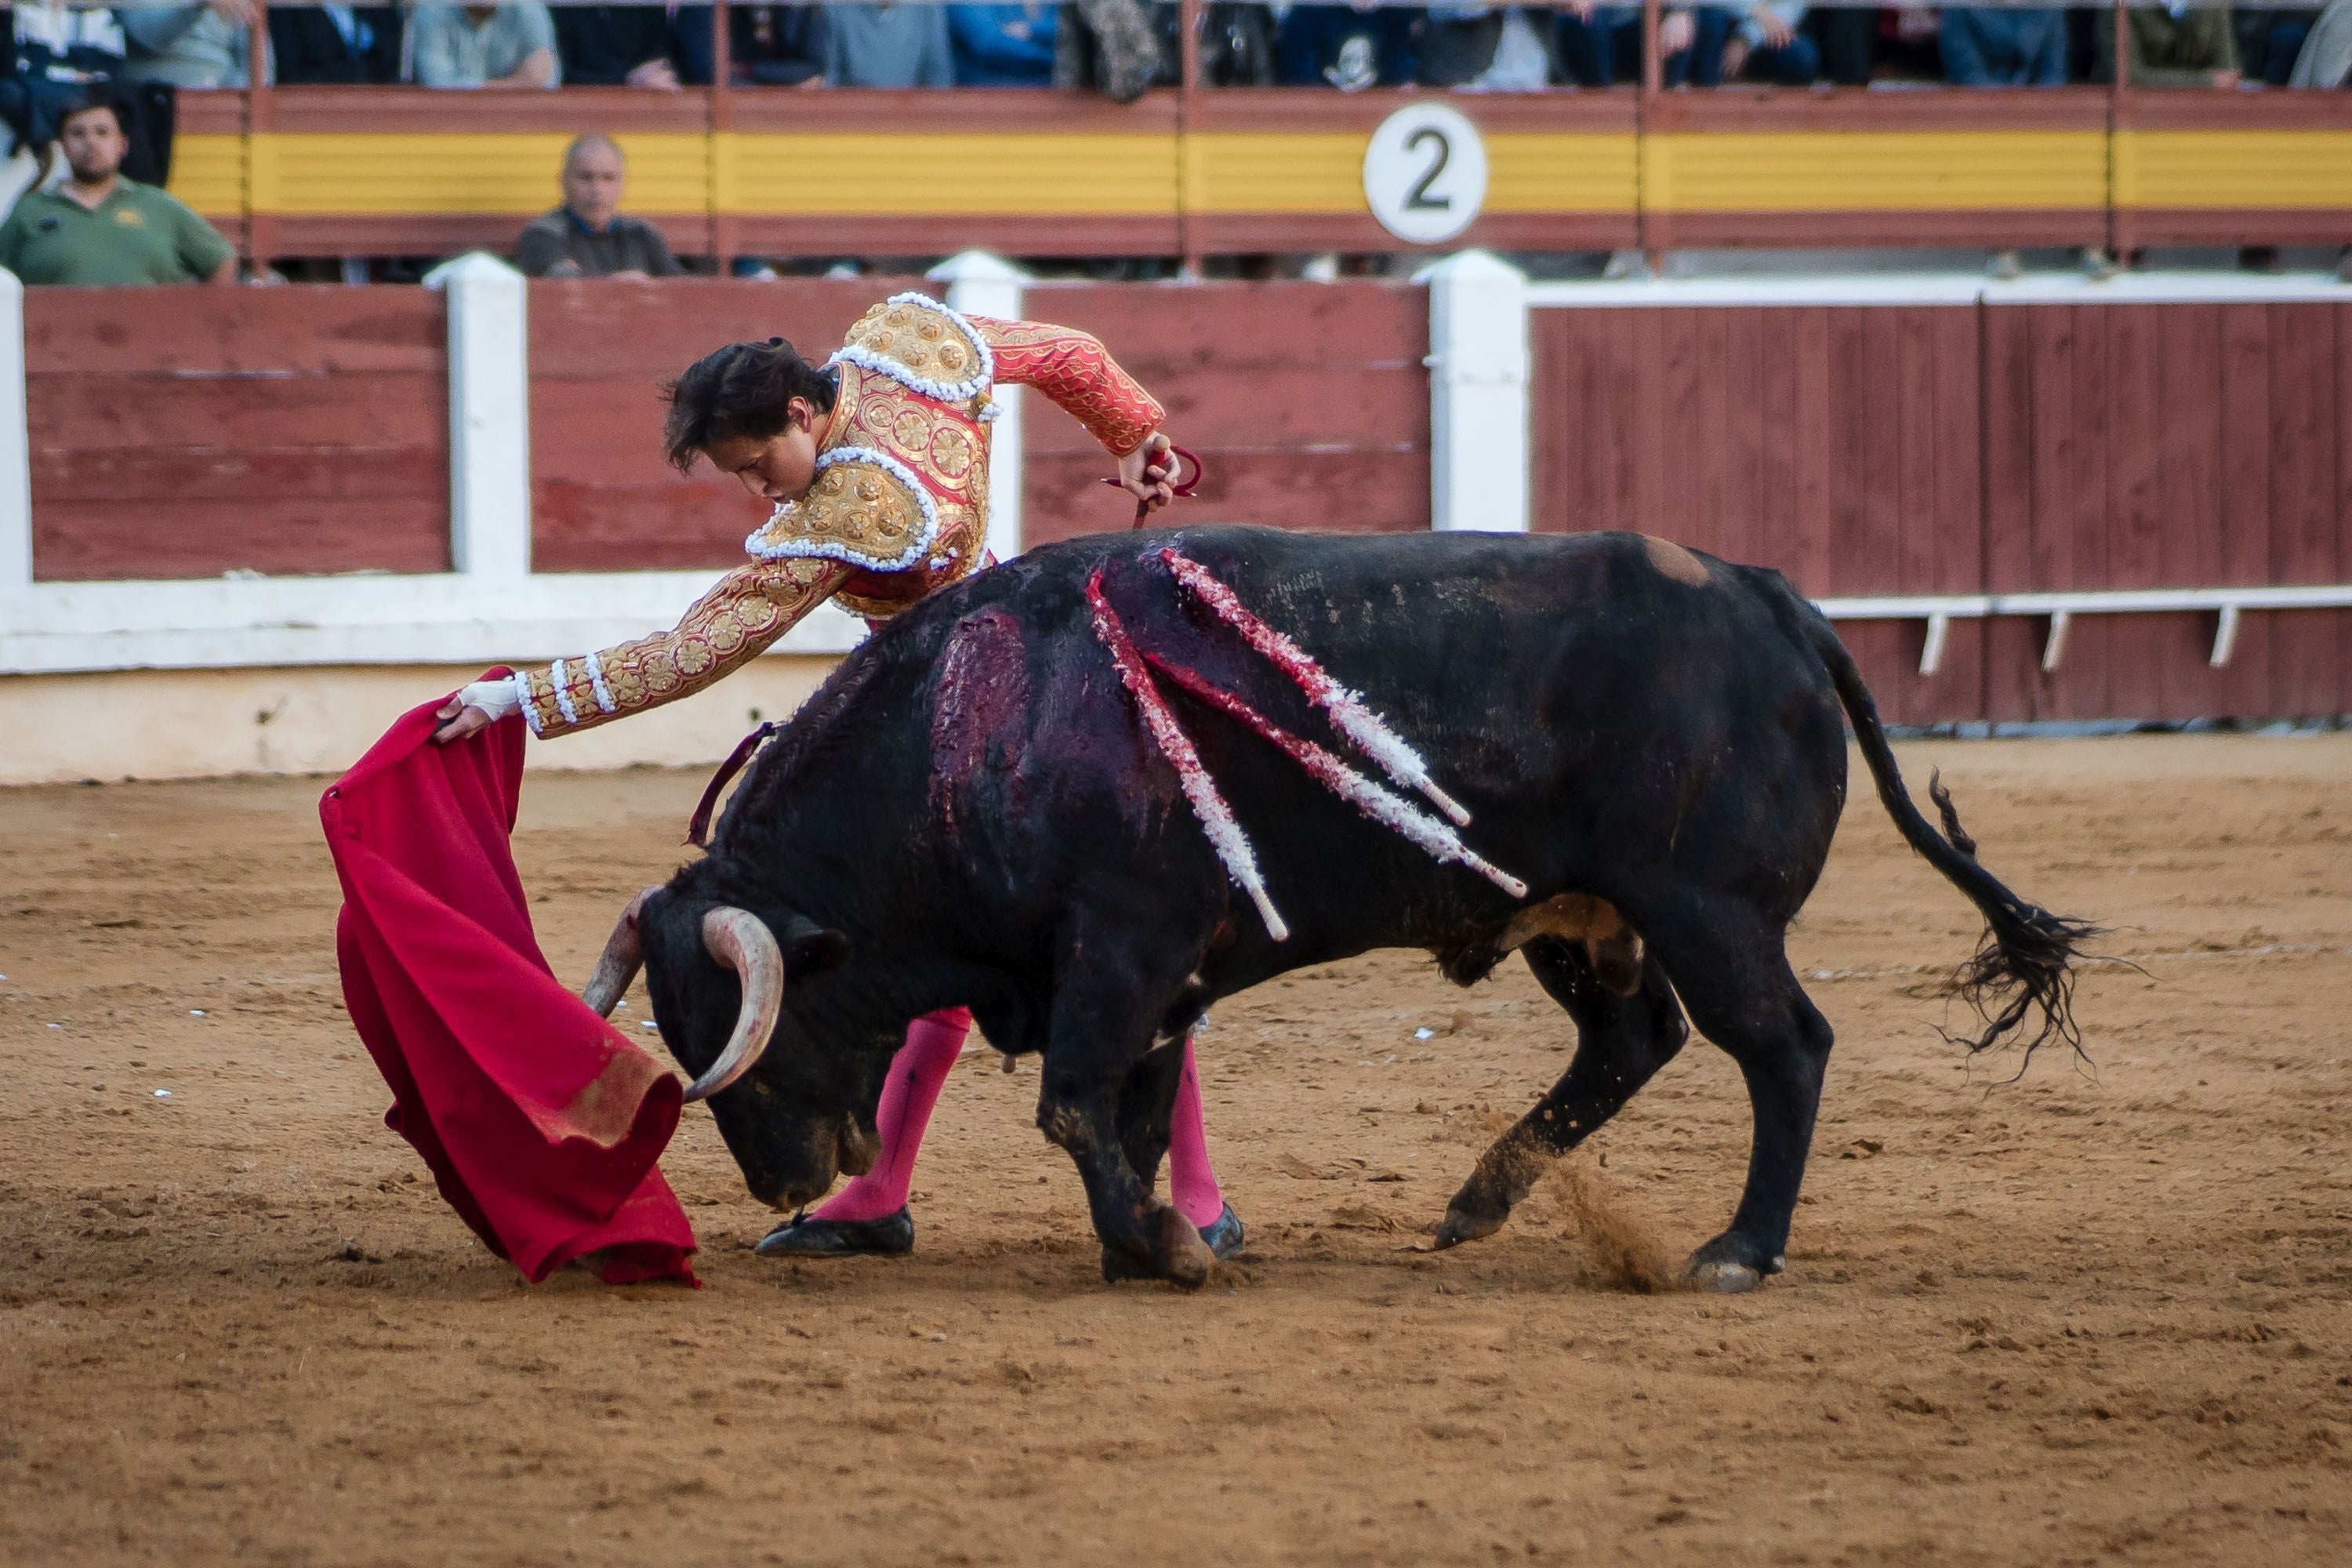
(740, 391)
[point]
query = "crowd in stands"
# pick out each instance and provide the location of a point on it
(92, 89)
(1123, 47)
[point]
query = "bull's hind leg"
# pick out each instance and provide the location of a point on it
(1621, 1042)
(1731, 968)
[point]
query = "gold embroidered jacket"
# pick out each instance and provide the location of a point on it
(898, 508)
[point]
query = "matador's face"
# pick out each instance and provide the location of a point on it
(780, 468)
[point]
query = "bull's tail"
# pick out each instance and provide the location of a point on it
(2022, 979)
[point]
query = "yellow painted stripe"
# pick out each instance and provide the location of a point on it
(1274, 172)
(1247, 172)
(1545, 172)
(2233, 169)
(468, 172)
(1865, 171)
(208, 173)
(912, 173)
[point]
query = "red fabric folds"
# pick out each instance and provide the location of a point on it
(540, 1121)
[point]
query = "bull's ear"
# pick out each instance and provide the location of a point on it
(811, 949)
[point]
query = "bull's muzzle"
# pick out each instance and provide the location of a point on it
(736, 938)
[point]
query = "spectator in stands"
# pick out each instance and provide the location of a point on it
(190, 46)
(1596, 42)
(1112, 46)
(2269, 41)
(2327, 62)
(343, 45)
(2005, 48)
(97, 228)
(2174, 45)
(509, 43)
(588, 237)
(2326, 58)
(1352, 46)
(1236, 46)
(1488, 49)
(1765, 45)
(887, 46)
(1002, 45)
(777, 45)
(651, 47)
(1846, 38)
(60, 53)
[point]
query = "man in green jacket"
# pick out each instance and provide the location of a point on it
(96, 228)
(2173, 45)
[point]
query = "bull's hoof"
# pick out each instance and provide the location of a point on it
(1727, 1266)
(1722, 1278)
(1184, 1258)
(1460, 1225)
(1180, 1255)
(1120, 1267)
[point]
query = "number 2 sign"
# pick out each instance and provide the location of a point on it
(1426, 174)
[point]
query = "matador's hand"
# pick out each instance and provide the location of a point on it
(1147, 473)
(462, 721)
(476, 709)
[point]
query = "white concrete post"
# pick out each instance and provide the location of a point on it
(16, 444)
(980, 284)
(1477, 393)
(489, 415)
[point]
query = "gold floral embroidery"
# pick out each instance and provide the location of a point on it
(750, 608)
(951, 451)
(1078, 373)
(853, 511)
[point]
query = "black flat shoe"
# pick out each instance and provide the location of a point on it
(805, 1236)
(1223, 1233)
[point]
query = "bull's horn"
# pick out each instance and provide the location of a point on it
(623, 955)
(742, 942)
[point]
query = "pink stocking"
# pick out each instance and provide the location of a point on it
(1192, 1183)
(917, 1073)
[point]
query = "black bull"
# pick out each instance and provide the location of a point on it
(970, 812)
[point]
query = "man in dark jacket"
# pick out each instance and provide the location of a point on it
(587, 237)
(651, 47)
(344, 46)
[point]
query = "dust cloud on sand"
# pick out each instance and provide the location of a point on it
(2072, 1320)
(1628, 1253)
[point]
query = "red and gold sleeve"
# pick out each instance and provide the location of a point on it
(732, 624)
(1078, 373)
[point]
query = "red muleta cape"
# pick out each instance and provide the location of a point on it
(540, 1121)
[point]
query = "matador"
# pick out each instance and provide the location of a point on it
(877, 464)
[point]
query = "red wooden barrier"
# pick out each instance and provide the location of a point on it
(1838, 445)
(1863, 450)
(1963, 449)
(2171, 446)
(601, 498)
(1309, 404)
(185, 433)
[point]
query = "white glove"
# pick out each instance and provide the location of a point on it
(499, 698)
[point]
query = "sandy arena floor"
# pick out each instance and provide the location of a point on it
(2066, 1320)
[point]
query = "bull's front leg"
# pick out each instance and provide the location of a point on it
(1083, 1108)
